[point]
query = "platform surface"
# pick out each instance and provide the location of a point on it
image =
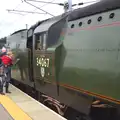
(20, 106)
(4, 113)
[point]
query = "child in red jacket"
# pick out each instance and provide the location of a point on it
(7, 59)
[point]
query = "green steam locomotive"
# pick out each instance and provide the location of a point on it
(72, 59)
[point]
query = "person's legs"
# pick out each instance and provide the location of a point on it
(7, 87)
(8, 77)
(1, 85)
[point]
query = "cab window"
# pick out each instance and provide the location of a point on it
(40, 40)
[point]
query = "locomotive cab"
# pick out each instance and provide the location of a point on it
(30, 48)
(46, 45)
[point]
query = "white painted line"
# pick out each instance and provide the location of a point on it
(40, 103)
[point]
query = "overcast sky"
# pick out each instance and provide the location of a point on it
(10, 22)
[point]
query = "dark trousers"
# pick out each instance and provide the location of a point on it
(2, 81)
(8, 77)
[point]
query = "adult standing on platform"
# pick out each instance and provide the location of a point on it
(8, 62)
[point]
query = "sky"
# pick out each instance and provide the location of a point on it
(10, 22)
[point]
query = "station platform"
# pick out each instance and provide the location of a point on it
(19, 106)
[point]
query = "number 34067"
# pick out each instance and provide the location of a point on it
(43, 62)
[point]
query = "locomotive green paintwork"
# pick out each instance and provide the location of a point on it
(92, 60)
(85, 58)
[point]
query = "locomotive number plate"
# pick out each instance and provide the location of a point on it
(43, 62)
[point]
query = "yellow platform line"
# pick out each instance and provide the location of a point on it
(13, 109)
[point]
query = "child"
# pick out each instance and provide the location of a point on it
(7, 59)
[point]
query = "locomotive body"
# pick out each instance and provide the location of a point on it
(91, 42)
(85, 60)
(73, 58)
